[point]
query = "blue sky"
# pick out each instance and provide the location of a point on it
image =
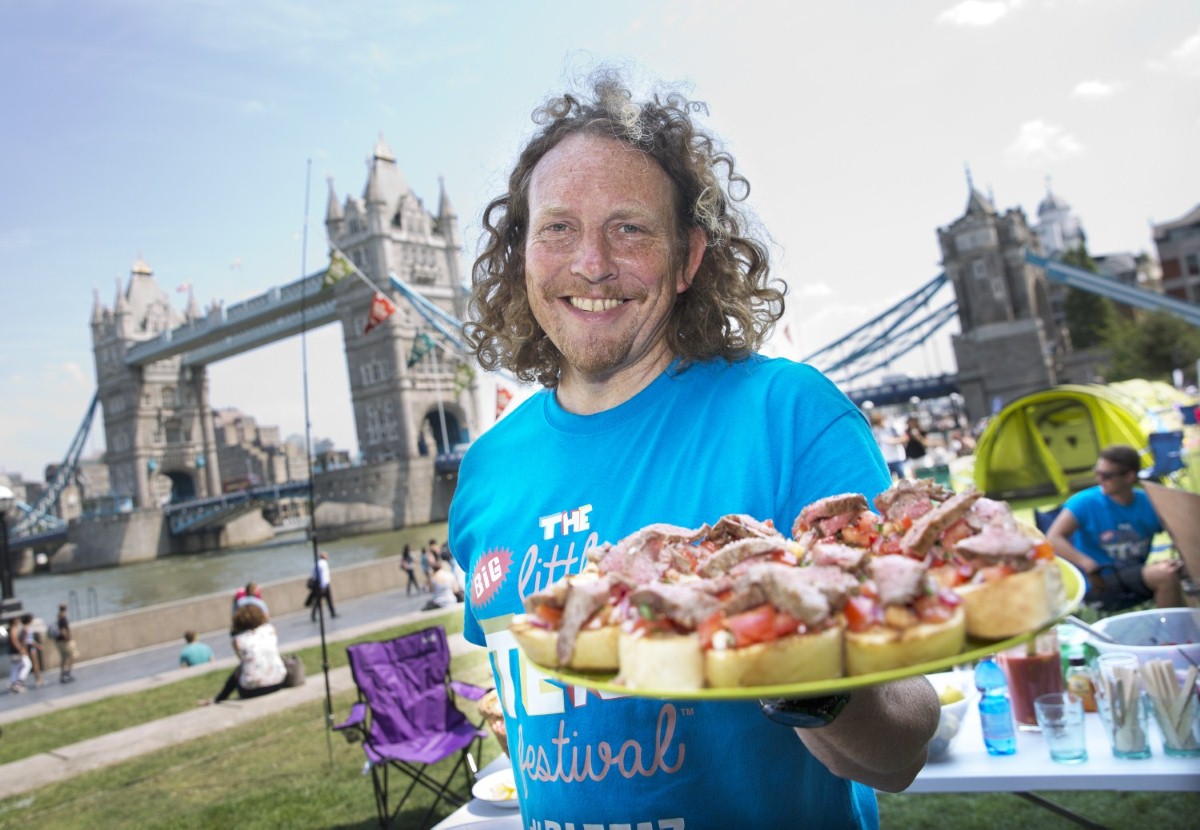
(181, 131)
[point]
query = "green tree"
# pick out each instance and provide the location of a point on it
(1151, 345)
(1089, 316)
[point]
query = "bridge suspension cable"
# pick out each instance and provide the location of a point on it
(887, 336)
(37, 520)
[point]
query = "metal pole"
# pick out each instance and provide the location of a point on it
(6, 578)
(437, 387)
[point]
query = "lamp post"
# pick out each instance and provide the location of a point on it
(6, 579)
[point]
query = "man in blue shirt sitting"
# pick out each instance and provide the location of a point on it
(1106, 532)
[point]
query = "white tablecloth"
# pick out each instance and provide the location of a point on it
(968, 768)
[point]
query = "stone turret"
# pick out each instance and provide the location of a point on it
(1010, 343)
(154, 415)
(400, 409)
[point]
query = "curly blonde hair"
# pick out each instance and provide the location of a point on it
(732, 303)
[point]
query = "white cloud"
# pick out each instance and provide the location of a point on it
(1183, 60)
(810, 289)
(977, 13)
(1038, 142)
(1093, 89)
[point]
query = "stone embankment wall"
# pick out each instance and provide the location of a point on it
(158, 624)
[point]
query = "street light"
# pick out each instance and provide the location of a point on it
(6, 579)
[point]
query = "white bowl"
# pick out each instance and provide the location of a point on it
(1159, 633)
(952, 713)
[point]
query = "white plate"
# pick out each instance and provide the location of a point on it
(497, 788)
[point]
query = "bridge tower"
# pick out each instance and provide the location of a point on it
(158, 426)
(409, 406)
(1010, 343)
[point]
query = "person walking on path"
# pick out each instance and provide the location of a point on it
(64, 641)
(410, 570)
(891, 444)
(33, 647)
(323, 588)
(195, 653)
(916, 444)
(18, 656)
(427, 560)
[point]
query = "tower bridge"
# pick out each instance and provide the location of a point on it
(411, 416)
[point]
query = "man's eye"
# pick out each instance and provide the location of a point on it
(629, 228)
(557, 227)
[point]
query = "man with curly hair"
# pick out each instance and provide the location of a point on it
(619, 273)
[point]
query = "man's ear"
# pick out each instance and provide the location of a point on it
(697, 244)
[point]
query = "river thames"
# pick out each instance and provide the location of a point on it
(113, 590)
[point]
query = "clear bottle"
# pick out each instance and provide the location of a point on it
(1080, 683)
(995, 709)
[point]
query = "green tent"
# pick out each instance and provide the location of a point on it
(1047, 442)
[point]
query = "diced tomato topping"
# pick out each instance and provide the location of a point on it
(956, 532)
(906, 520)
(947, 576)
(549, 615)
(931, 609)
(1043, 550)
(754, 626)
(862, 535)
(868, 589)
(783, 557)
(993, 573)
(709, 627)
(887, 546)
(785, 624)
(860, 613)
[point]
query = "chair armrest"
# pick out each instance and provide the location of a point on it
(468, 690)
(358, 714)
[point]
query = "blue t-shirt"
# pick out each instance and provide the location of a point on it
(543, 486)
(193, 654)
(1113, 533)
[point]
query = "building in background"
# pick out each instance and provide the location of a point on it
(1178, 245)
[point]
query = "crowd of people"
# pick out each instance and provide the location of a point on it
(908, 446)
(23, 642)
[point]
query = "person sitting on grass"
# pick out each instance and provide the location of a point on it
(260, 668)
(194, 653)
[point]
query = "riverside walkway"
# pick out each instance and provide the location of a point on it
(158, 665)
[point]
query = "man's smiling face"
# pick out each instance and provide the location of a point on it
(598, 264)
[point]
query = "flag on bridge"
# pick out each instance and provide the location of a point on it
(339, 269)
(381, 309)
(422, 345)
(503, 399)
(463, 375)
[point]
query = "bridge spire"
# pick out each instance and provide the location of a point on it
(334, 215)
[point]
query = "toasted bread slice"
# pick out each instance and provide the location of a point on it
(1018, 603)
(881, 648)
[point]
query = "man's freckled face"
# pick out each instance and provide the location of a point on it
(597, 257)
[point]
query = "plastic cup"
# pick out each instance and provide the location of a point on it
(1178, 720)
(1124, 712)
(1060, 716)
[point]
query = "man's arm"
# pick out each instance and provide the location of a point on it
(1059, 535)
(880, 738)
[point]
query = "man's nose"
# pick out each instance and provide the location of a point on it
(593, 258)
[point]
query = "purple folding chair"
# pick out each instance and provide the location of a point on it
(406, 717)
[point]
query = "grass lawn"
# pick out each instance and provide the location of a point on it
(283, 771)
